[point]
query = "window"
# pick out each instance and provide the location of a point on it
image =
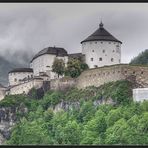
(90, 42)
(103, 51)
(141, 72)
(101, 42)
(15, 80)
(95, 66)
(92, 50)
(125, 71)
(100, 59)
(133, 72)
(91, 59)
(112, 59)
(113, 50)
(95, 42)
(109, 42)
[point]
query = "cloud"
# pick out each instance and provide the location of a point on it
(31, 27)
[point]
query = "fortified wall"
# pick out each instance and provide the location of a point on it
(25, 87)
(99, 76)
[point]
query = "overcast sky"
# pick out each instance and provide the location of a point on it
(34, 26)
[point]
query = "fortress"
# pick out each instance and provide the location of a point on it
(101, 51)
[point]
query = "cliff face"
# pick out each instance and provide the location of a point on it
(76, 104)
(8, 118)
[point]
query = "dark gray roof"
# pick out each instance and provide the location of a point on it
(21, 70)
(101, 34)
(51, 50)
(75, 55)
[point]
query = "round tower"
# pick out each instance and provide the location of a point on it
(101, 48)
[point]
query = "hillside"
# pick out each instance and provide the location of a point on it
(95, 115)
(141, 58)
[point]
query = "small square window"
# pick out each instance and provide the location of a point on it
(100, 59)
(112, 59)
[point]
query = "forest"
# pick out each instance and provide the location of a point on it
(120, 122)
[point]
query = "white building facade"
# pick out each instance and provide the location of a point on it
(43, 61)
(19, 75)
(140, 94)
(101, 49)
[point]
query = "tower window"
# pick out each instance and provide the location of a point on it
(112, 59)
(91, 59)
(103, 51)
(100, 59)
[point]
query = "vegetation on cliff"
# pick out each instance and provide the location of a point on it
(141, 59)
(123, 122)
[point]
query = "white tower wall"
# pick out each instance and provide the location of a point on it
(109, 51)
(15, 77)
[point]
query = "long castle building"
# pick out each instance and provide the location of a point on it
(101, 51)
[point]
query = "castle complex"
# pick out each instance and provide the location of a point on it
(101, 51)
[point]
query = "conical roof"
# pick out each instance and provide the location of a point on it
(101, 34)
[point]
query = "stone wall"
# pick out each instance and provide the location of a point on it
(62, 84)
(26, 86)
(2, 93)
(99, 76)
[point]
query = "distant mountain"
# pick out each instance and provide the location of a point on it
(9, 62)
(142, 58)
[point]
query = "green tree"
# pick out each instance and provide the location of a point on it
(58, 66)
(142, 58)
(75, 67)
